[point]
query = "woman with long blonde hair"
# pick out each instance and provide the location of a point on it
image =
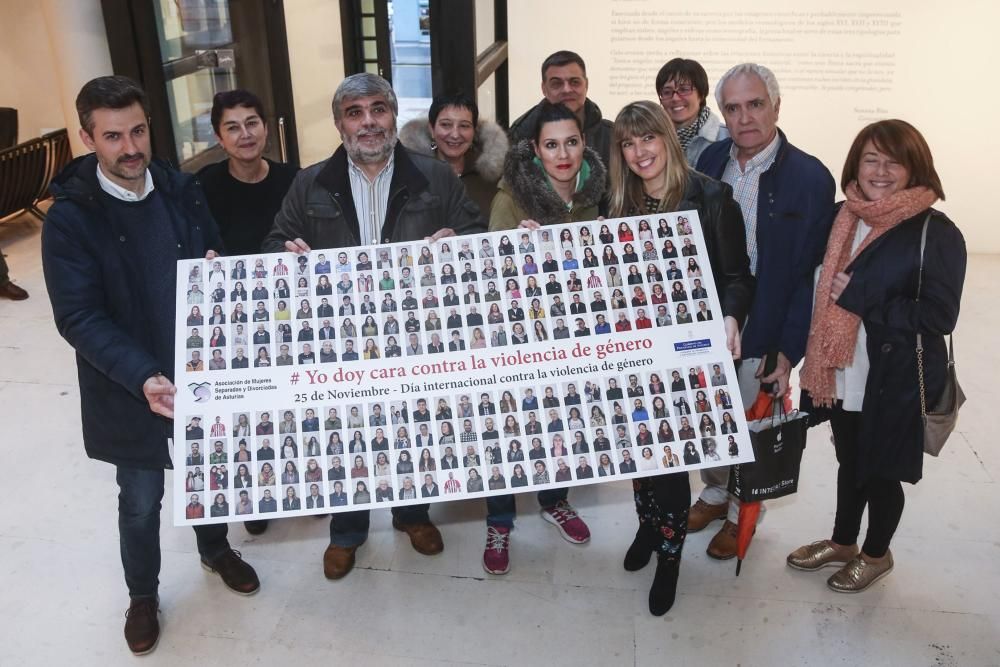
(650, 176)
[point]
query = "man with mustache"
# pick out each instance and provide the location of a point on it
(110, 245)
(564, 81)
(372, 190)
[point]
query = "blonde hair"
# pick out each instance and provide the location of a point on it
(636, 120)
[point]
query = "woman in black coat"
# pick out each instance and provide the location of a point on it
(649, 176)
(861, 358)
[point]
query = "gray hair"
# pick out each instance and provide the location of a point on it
(364, 85)
(763, 73)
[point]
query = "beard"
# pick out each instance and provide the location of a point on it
(365, 155)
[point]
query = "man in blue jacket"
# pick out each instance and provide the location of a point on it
(787, 201)
(110, 246)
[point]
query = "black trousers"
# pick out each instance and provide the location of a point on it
(883, 497)
(662, 503)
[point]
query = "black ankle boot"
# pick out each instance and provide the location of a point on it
(664, 589)
(638, 555)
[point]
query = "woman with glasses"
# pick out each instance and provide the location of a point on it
(682, 86)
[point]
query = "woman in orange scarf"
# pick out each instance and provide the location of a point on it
(861, 359)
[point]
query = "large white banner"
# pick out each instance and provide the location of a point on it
(424, 372)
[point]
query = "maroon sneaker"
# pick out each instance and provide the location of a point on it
(569, 523)
(496, 557)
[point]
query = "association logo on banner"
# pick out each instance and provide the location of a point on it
(201, 391)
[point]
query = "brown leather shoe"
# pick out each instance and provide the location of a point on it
(338, 561)
(425, 537)
(702, 514)
(11, 291)
(142, 628)
(723, 545)
(235, 572)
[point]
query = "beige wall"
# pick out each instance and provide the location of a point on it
(840, 66)
(48, 50)
(316, 57)
(29, 82)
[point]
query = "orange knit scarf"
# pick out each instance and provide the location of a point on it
(833, 333)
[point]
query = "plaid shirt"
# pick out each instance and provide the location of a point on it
(746, 189)
(468, 436)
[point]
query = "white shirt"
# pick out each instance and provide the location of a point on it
(851, 380)
(371, 198)
(118, 192)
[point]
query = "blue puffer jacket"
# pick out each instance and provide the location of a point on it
(94, 288)
(794, 216)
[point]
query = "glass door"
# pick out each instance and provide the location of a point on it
(198, 55)
(183, 52)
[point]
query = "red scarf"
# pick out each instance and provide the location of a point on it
(833, 333)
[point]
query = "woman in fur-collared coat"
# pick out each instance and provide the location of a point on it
(552, 179)
(474, 147)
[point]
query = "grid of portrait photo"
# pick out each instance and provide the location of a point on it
(475, 292)
(445, 446)
(340, 308)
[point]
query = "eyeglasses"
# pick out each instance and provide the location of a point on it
(683, 90)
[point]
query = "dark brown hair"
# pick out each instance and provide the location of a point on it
(684, 70)
(903, 143)
(230, 99)
(562, 58)
(108, 92)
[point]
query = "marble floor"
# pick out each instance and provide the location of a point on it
(560, 604)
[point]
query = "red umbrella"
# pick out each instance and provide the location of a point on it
(762, 407)
(744, 531)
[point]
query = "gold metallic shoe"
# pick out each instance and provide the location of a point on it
(816, 556)
(859, 575)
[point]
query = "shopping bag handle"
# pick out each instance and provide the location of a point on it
(781, 414)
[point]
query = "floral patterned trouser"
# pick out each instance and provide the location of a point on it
(662, 503)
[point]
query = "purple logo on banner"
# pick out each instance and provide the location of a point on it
(689, 345)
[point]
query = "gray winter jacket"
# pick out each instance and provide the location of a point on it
(713, 130)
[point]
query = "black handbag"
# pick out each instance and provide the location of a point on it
(777, 446)
(940, 421)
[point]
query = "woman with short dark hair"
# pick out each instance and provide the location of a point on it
(682, 86)
(472, 146)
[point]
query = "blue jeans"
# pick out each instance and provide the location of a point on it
(350, 529)
(501, 510)
(139, 496)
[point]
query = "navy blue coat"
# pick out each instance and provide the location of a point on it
(794, 216)
(93, 287)
(882, 291)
